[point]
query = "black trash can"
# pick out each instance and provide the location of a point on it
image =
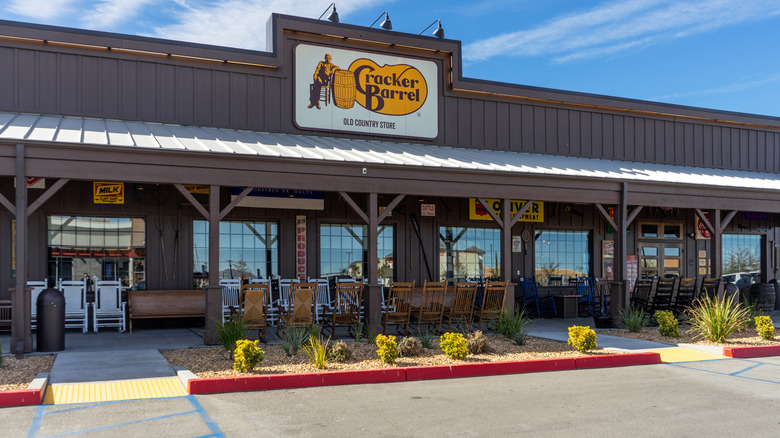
(51, 320)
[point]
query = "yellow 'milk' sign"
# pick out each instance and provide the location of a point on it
(108, 192)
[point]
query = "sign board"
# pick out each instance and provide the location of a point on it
(756, 216)
(478, 213)
(280, 198)
(197, 189)
(300, 247)
(427, 209)
(366, 93)
(702, 233)
(108, 192)
(517, 244)
(632, 270)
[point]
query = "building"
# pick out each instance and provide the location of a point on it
(167, 165)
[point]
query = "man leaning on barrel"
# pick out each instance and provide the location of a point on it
(322, 74)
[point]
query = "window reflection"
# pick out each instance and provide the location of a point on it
(469, 252)
(109, 248)
(562, 253)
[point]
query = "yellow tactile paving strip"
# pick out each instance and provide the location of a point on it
(62, 394)
(678, 354)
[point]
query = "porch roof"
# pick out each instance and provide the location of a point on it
(67, 130)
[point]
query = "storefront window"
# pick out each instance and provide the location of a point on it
(742, 258)
(561, 255)
(246, 250)
(343, 250)
(109, 248)
(469, 252)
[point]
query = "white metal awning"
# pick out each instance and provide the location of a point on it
(20, 127)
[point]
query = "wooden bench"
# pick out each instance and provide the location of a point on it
(144, 304)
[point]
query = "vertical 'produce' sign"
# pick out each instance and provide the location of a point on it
(362, 92)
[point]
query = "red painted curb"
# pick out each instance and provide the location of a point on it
(514, 367)
(288, 381)
(617, 360)
(387, 375)
(24, 397)
(759, 351)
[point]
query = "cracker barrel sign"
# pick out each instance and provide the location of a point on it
(362, 92)
(108, 192)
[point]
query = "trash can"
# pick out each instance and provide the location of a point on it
(51, 320)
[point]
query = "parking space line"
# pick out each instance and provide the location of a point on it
(738, 374)
(46, 411)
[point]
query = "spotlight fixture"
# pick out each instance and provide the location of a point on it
(438, 33)
(333, 16)
(386, 24)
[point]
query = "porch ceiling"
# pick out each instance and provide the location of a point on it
(123, 137)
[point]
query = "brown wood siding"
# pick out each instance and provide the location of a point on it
(92, 83)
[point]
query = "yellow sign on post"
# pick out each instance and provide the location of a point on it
(478, 213)
(108, 192)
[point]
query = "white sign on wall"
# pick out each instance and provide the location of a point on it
(363, 92)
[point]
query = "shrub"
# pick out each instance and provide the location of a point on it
(476, 342)
(634, 318)
(667, 323)
(247, 356)
(765, 327)
(426, 340)
(409, 346)
(514, 326)
(454, 345)
(292, 338)
(340, 352)
(388, 349)
(365, 332)
(582, 338)
(754, 310)
(317, 351)
(229, 332)
(715, 319)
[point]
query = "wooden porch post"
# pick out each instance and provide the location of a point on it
(21, 338)
(213, 290)
(506, 254)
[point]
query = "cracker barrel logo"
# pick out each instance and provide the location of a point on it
(108, 192)
(395, 90)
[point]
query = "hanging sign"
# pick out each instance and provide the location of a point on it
(108, 192)
(363, 92)
(197, 189)
(478, 213)
(300, 247)
(702, 233)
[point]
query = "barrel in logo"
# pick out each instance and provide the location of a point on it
(763, 295)
(344, 89)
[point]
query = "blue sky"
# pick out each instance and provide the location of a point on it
(716, 54)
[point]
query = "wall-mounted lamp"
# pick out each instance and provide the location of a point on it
(692, 235)
(386, 24)
(333, 16)
(439, 32)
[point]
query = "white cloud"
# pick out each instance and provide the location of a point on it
(616, 26)
(737, 87)
(39, 9)
(108, 13)
(240, 23)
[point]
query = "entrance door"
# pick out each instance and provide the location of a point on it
(660, 258)
(660, 250)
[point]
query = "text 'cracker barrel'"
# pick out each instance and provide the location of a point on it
(344, 89)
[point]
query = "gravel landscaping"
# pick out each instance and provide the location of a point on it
(215, 361)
